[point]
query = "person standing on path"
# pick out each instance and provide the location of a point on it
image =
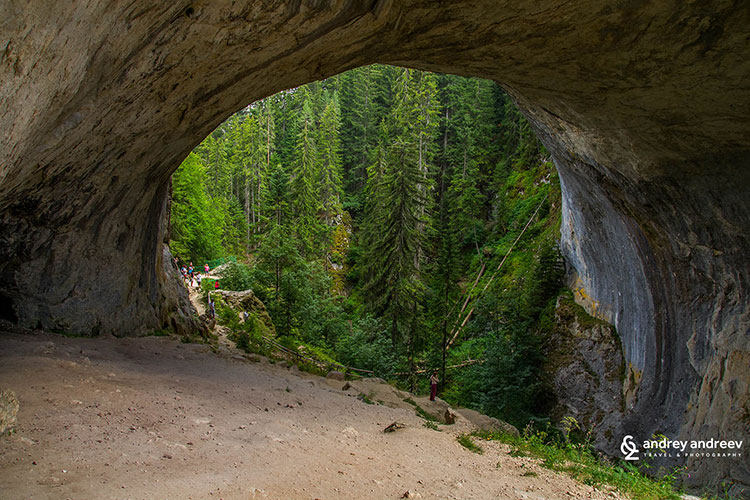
(211, 311)
(433, 385)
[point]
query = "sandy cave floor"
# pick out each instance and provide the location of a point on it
(152, 418)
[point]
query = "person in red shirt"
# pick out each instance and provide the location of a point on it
(433, 385)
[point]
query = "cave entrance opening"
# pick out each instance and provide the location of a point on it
(100, 109)
(364, 209)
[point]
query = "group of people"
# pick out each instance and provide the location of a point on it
(192, 278)
(190, 275)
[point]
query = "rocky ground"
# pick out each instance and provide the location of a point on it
(152, 418)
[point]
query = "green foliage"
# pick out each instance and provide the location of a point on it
(431, 425)
(580, 462)
(423, 414)
(330, 161)
(237, 276)
(305, 179)
(367, 346)
(398, 215)
(441, 174)
(466, 441)
(248, 335)
(365, 398)
(196, 222)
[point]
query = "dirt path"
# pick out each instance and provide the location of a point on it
(195, 295)
(152, 418)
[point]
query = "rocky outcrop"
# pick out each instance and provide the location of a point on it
(587, 371)
(247, 301)
(177, 312)
(644, 107)
(8, 410)
(485, 423)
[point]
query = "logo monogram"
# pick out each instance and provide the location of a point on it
(628, 448)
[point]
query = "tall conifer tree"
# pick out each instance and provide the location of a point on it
(305, 178)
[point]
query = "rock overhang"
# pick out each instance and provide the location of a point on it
(644, 107)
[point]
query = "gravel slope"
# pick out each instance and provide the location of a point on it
(151, 418)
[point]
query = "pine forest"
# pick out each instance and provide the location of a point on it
(390, 219)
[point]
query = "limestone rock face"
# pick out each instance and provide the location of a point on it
(644, 106)
(587, 371)
(177, 312)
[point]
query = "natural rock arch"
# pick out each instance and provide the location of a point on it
(644, 107)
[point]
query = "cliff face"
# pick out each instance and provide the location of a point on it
(587, 372)
(645, 107)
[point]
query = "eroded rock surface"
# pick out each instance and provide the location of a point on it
(644, 107)
(247, 301)
(588, 375)
(8, 410)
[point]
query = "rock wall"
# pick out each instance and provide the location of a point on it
(583, 357)
(645, 107)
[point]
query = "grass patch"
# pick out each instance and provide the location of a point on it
(192, 338)
(365, 398)
(420, 411)
(579, 462)
(431, 425)
(311, 368)
(158, 333)
(466, 441)
(423, 414)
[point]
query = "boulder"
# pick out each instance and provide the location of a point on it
(449, 417)
(351, 387)
(8, 410)
(374, 380)
(484, 423)
(438, 409)
(246, 300)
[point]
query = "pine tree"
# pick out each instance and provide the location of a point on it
(304, 180)
(359, 118)
(196, 230)
(400, 212)
(330, 161)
